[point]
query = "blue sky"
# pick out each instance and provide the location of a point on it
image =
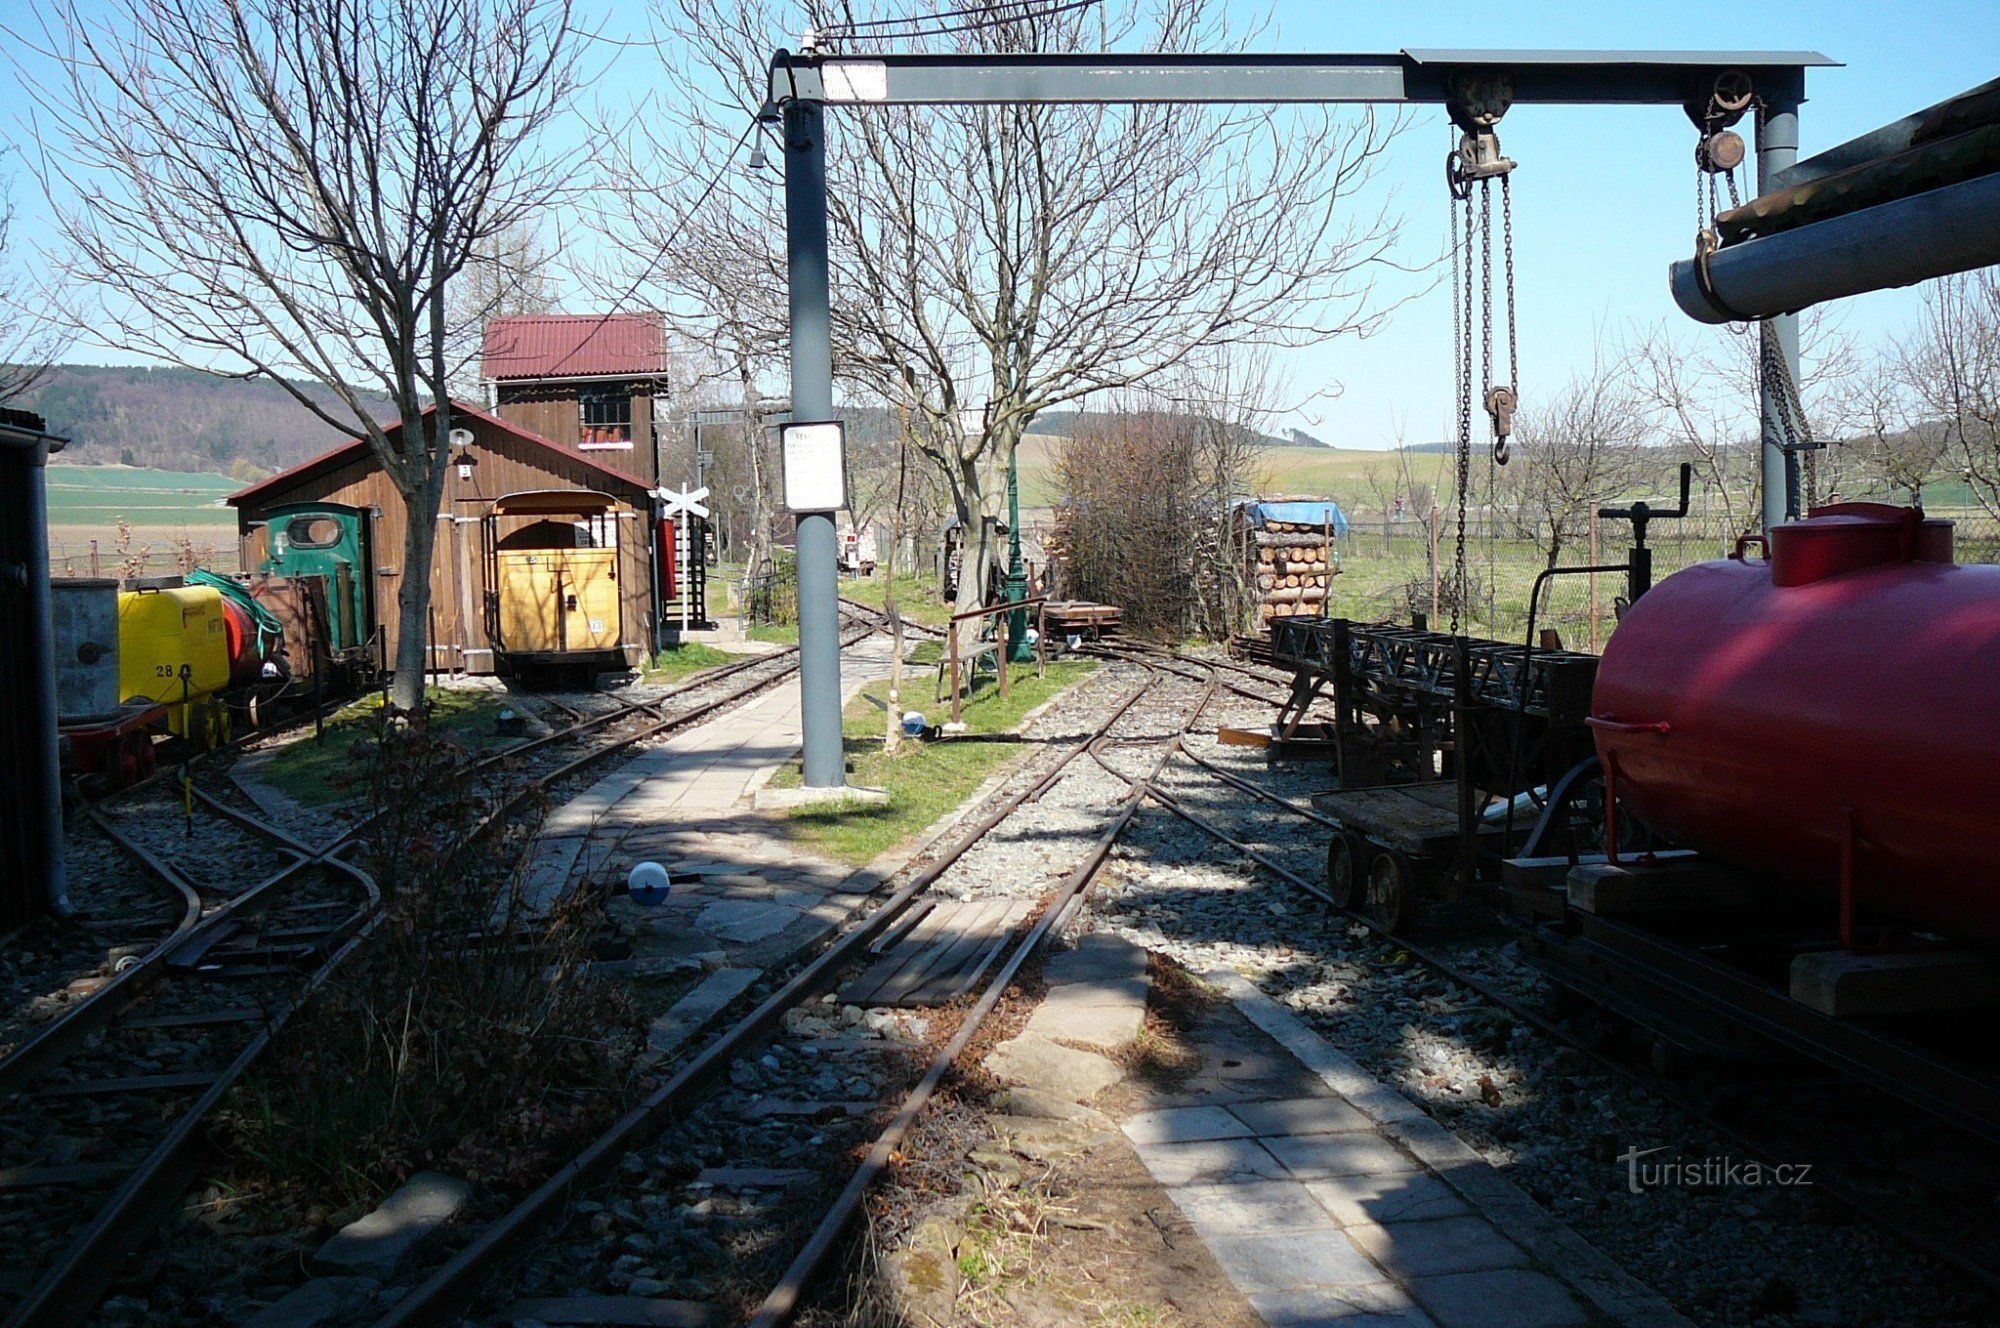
(1603, 196)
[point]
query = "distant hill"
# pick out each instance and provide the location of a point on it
(177, 419)
(1064, 423)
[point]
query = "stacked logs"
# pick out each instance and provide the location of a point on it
(1291, 571)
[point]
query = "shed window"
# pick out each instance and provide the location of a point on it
(607, 417)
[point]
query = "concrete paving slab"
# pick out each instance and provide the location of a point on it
(745, 920)
(1184, 1124)
(1299, 1115)
(1344, 1307)
(1209, 1160)
(1094, 1016)
(1505, 1298)
(1254, 1207)
(1436, 1246)
(1099, 957)
(1293, 1261)
(1413, 1196)
(1356, 1153)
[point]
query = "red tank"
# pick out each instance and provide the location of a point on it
(240, 634)
(1755, 710)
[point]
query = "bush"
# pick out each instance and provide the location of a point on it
(461, 1033)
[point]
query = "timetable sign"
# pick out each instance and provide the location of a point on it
(815, 459)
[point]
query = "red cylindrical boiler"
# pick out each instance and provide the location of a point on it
(1837, 702)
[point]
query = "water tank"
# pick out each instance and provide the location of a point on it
(1838, 701)
(83, 616)
(173, 643)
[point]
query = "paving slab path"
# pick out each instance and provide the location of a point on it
(1329, 1199)
(741, 892)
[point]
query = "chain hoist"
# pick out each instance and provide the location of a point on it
(1717, 155)
(1473, 164)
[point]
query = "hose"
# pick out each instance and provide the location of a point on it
(268, 626)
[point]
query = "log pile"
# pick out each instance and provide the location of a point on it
(1291, 571)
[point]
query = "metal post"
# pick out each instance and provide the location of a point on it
(1778, 148)
(812, 399)
(1017, 571)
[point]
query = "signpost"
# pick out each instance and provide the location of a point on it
(681, 504)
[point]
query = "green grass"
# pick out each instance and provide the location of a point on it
(687, 658)
(101, 495)
(916, 597)
(925, 780)
(1304, 472)
(308, 771)
(777, 634)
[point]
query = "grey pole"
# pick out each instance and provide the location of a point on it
(812, 400)
(1778, 148)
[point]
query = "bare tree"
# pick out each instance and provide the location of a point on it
(1952, 364)
(1898, 449)
(506, 274)
(289, 189)
(994, 262)
(1578, 449)
(29, 340)
(1699, 391)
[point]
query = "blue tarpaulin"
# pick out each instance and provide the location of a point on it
(1319, 512)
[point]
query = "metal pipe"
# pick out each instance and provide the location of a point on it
(1778, 149)
(1940, 231)
(812, 400)
(37, 690)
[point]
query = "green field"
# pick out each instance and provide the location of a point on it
(1299, 472)
(101, 495)
(172, 518)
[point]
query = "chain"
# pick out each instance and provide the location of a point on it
(1462, 355)
(1775, 377)
(1513, 338)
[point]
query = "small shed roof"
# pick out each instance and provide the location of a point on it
(542, 346)
(1315, 512)
(339, 456)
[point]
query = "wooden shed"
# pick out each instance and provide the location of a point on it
(504, 462)
(586, 381)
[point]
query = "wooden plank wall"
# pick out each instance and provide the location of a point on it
(552, 411)
(507, 464)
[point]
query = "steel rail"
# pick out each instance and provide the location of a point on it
(1858, 1203)
(72, 1286)
(783, 1299)
(450, 1288)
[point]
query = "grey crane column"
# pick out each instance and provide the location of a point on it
(812, 399)
(1778, 148)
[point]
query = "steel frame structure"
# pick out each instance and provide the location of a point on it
(803, 85)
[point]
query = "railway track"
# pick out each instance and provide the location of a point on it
(107, 1099)
(869, 1075)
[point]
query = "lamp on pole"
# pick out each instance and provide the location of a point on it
(1018, 649)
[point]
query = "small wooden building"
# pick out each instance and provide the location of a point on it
(585, 381)
(504, 493)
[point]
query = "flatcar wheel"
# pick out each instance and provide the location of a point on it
(1344, 859)
(1389, 890)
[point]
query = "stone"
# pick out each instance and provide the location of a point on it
(707, 999)
(744, 920)
(1437, 1246)
(1103, 1017)
(1100, 958)
(1184, 1125)
(320, 1301)
(1047, 1140)
(382, 1243)
(1843, 984)
(1050, 1067)
(1036, 1104)
(1503, 1298)
(1292, 1260)
(923, 1274)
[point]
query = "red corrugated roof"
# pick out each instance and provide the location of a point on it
(347, 451)
(574, 346)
